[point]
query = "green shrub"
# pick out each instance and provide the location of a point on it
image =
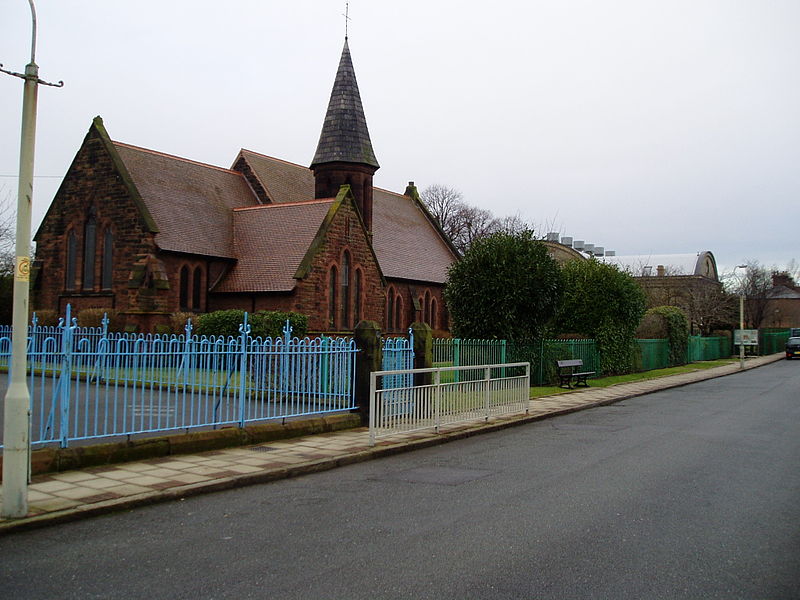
(46, 318)
(505, 287)
(263, 323)
(177, 322)
(270, 323)
(604, 303)
(93, 317)
(676, 326)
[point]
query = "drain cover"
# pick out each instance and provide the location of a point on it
(437, 475)
(262, 449)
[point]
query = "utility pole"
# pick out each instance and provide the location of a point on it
(741, 317)
(17, 415)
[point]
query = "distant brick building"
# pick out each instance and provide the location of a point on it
(147, 234)
(689, 281)
(782, 303)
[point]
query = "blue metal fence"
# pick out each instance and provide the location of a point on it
(90, 383)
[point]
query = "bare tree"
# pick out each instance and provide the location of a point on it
(475, 223)
(462, 222)
(755, 284)
(793, 270)
(512, 224)
(7, 231)
(7, 251)
(445, 204)
(710, 308)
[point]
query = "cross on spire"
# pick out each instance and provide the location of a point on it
(347, 18)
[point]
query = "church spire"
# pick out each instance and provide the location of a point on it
(344, 153)
(345, 137)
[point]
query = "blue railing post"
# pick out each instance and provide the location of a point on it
(324, 369)
(32, 336)
(65, 378)
(287, 339)
(102, 351)
(244, 333)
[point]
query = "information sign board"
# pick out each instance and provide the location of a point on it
(745, 337)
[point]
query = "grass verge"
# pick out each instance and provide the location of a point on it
(539, 391)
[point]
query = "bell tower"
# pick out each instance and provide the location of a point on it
(344, 153)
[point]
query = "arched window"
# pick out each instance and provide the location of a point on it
(390, 308)
(106, 274)
(332, 299)
(434, 317)
(426, 308)
(72, 252)
(197, 278)
(89, 249)
(398, 311)
(357, 293)
(345, 276)
(184, 299)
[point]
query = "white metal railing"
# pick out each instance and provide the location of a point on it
(451, 396)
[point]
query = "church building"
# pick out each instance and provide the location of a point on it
(146, 234)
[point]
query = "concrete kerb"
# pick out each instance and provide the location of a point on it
(384, 449)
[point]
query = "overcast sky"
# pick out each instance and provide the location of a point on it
(646, 127)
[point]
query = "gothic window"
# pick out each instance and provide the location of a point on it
(345, 275)
(426, 308)
(434, 317)
(398, 311)
(332, 298)
(357, 293)
(89, 249)
(108, 256)
(184, 288)
(196, 288)
(72, 251)
(390, 308)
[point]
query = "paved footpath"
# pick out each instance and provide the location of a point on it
(69, 495)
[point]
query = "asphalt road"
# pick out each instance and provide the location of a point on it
(687, 493)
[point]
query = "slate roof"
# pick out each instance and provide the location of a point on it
(406, 243)
(283, 182)
(782, 292)
(345, 136)
(270, 241)
(190, 202)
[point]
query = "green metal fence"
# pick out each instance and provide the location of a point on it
(654, 354)
(542, 355)
(772, 342)
(708, 348)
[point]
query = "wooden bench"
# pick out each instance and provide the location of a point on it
(569, 370)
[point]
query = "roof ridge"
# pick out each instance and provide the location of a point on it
(282, 204)
(176, 157)
(389, 192)
(286, 162)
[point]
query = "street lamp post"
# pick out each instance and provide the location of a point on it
(16, 424)
(741, 318)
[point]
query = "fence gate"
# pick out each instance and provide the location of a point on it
(398, 355)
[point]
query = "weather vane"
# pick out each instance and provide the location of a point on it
(346, 16)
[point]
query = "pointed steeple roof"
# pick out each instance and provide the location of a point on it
(345, 137)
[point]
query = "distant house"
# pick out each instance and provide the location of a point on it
(148, 234)
(689, 281)
(783, 303)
